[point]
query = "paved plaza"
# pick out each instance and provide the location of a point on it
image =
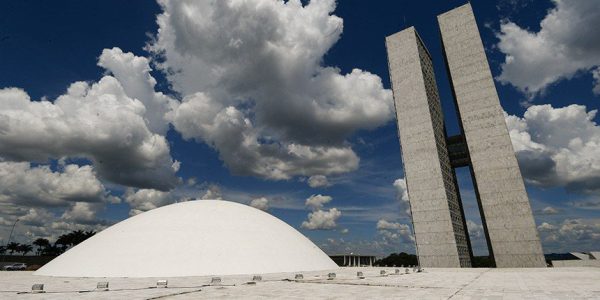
(548, 283)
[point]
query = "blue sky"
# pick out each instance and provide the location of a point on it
(294, 119)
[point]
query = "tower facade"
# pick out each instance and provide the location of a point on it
(484, 145)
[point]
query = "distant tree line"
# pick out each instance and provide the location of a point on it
(405, 259)
(482, 262)
(45, 247)
(397, 260)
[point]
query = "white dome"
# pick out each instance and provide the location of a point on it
(194, 238)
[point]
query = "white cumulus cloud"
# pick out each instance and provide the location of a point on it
(549, 210)
(50, 202)
(319, 218)
(147, 199)
(316, 202)
(546, 227)
(142, 200)
(255, 89)
(394, 230)
(133, 73)
(596, 75)
(570, 234)
(99, 122)
(213, 192)
(322, 220)
(475, 229)
(558, 147)
(84, 213)
(317, 181)
(402, 194)
(261, 203)
(42, 223)
(566, 44)
(38, 186)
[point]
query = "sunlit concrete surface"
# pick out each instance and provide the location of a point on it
(438, 219)
(434, 203)
(547, 283)
(500, 190)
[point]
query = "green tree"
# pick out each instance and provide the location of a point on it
(52, 250)
(76, 237)
(41, 243)
(24, 249)
(12, 247)
(89, 234)
(2, 250)
(398, 259)
(64, 241)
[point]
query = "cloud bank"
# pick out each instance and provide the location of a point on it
(98, 122)
(566, 44)
(558, 147)
(320, 219)
(255, 88)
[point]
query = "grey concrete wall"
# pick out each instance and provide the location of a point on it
(437, 219)
(507, 212)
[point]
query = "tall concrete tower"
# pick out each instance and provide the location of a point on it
(484, 145)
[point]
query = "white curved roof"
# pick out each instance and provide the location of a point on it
(194, 238)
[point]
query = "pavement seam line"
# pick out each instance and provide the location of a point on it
(468, 283)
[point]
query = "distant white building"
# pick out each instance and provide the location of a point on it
(353, 260)
(591, 259)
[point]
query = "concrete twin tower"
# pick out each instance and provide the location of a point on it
(430, 156)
